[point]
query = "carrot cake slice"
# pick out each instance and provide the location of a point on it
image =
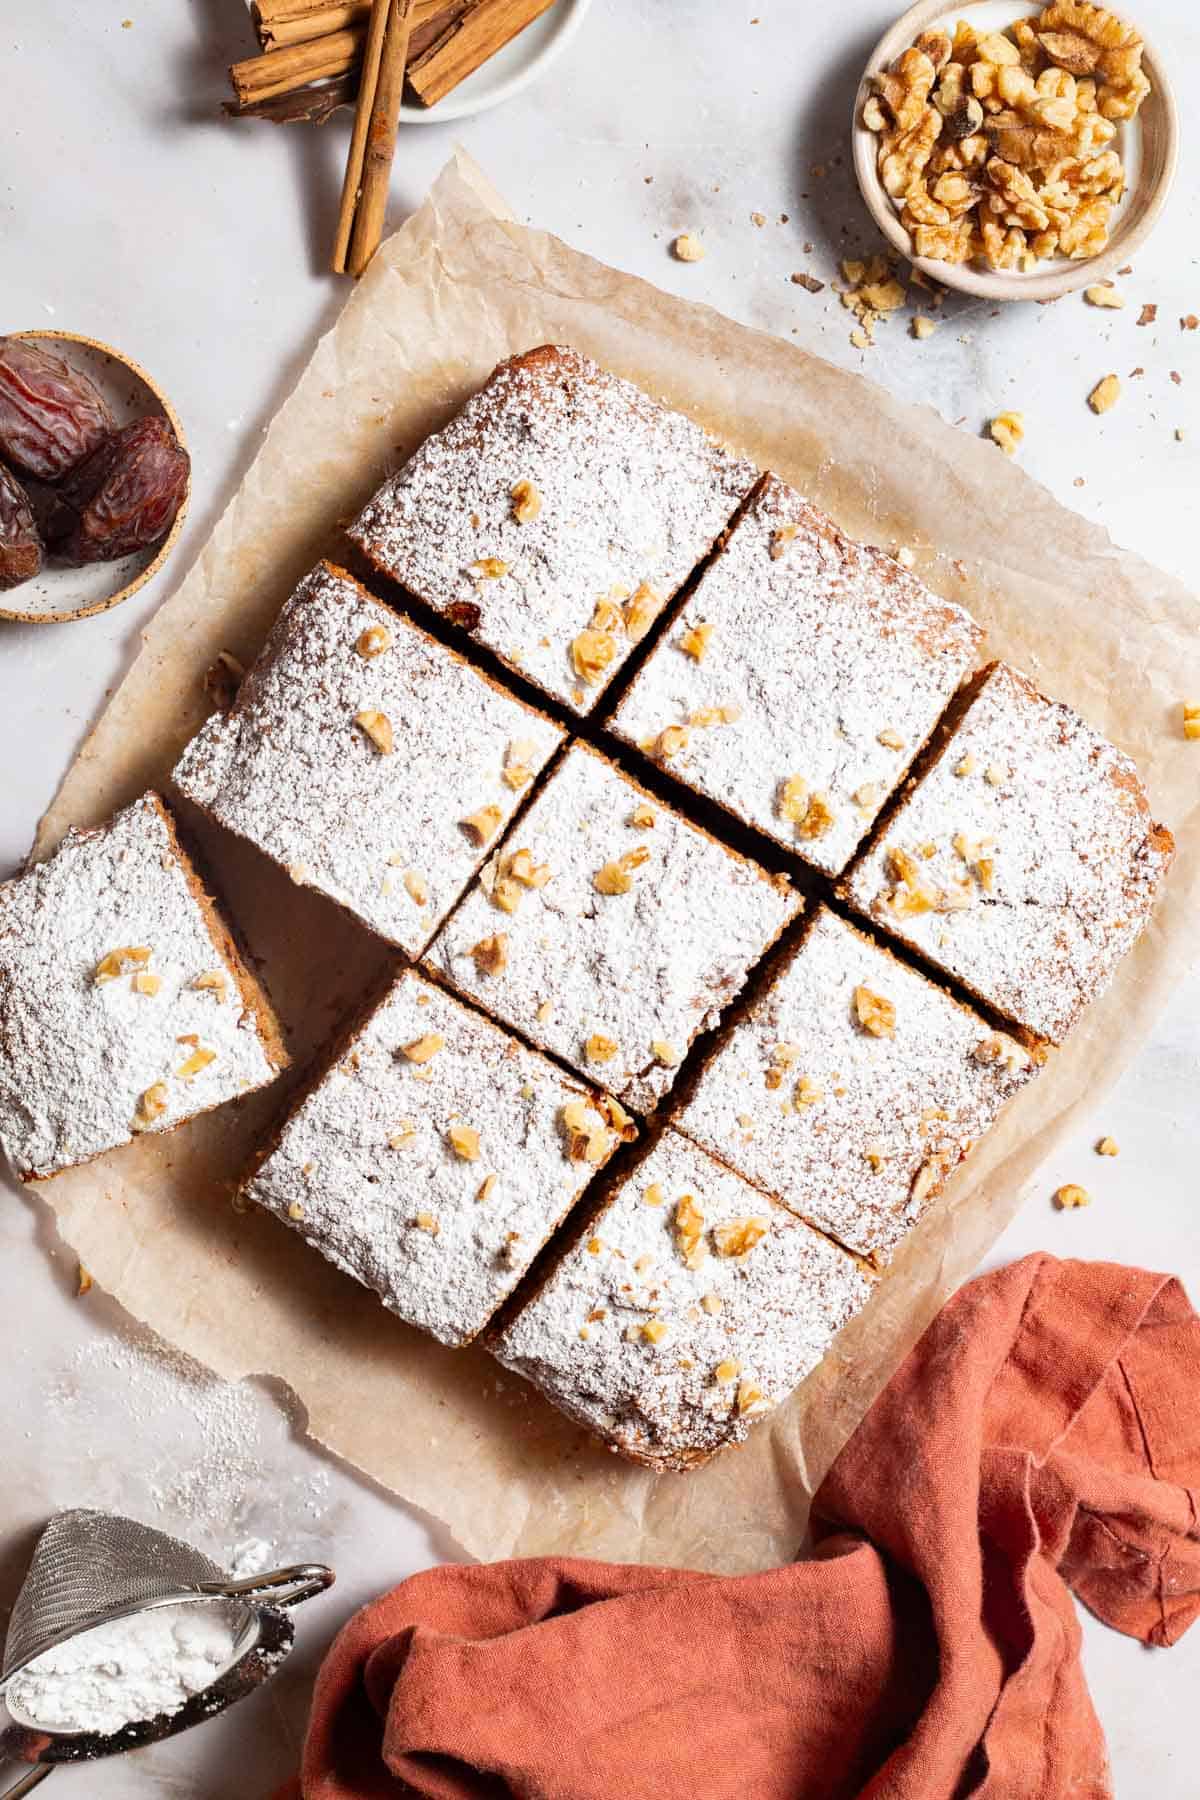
(433, 1156)
(801, 679)
(1022, 858)
(125, 1006)
(851, 1087)
(374, 764)
(687, 1306)
(555, 516)
(609, 930)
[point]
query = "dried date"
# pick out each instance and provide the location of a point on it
(125, 497)
(20, 540)
(51, 416)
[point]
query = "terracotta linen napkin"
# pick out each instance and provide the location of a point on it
(1042, 1438)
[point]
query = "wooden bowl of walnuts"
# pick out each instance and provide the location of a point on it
(94, 477)
(1015, 151)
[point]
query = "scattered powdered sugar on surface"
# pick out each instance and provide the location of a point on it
(1076, 863)
(916, 1100)
(630, 492)
(772, 1312)
(289, 769)
(365, 1168)
(820, 648)
(209, 1461)
(130, 1670)
(650, 966)
(77, 1055)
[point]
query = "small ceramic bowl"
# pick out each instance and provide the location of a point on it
(61, 594)
(1149, 147)
(526, 59)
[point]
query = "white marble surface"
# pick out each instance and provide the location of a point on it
(130, 210)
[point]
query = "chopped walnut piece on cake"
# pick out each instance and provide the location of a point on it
(689, 1231)
(819, 817)
(526, 502)
(425, 1048)
(739, 1236)
(891, 740)
(641, 611)
(404, 1136)
(592, 652)
(489, 568)
(372, 641)
(600, 1049)
(875, 1014)
(120, 962)
(377, 727)
(490, 954)
(152, 1106)
(213, 981)
(695, 641)
(484, 823)
(464, 1141)
(199, 1060)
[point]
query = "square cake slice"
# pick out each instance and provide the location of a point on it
(803, 677)
(371, 762)
(555, 516)
(1022, 858)
(125, 1006)
(851, 1086)
(609, 930)
(433, 1156)
(687, 1306)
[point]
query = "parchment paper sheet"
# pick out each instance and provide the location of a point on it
(457, 289)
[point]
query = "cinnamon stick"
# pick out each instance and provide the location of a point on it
(467, 44)
(283, 71)
(368, 86)
(282, 22)
(307, 105)
(380, 145)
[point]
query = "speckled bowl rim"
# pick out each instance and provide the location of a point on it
(992, 284)
(168, 544)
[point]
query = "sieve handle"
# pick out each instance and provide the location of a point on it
(39, 1773)
(283, 1587)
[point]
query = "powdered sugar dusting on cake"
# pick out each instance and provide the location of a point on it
(854, 1125)
(623, 938)
(834, 661)
(433, 1160)
(81, 1048)
(1039, 832)
(730, 1335)
(300, 765)
(616, 491)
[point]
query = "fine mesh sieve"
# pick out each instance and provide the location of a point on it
(91, 1568)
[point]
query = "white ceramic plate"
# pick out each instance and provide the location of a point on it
(523, 61)
(60, 594)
